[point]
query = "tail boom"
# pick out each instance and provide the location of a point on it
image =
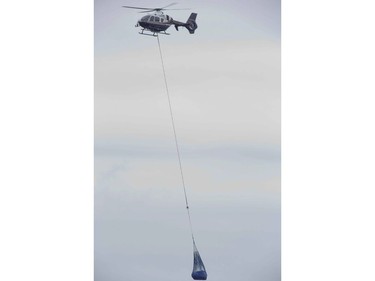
(190, 24)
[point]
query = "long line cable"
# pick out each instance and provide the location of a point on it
(176, 142)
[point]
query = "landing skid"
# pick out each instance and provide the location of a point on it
(154, 34)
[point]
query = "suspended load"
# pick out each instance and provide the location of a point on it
(199, 271)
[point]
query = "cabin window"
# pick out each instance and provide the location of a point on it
(152, 18)
(162, 20)
(167, 17)
(157, 19)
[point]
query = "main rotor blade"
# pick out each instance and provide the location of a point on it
(139, 8)
(169, 5)
(148, 11)
(176, 9)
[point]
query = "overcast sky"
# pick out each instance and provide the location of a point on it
(224, 83)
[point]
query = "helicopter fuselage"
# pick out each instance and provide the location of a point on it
(157, 22)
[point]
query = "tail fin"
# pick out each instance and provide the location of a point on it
(191, 25)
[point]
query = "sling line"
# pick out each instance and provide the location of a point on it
(176, 142)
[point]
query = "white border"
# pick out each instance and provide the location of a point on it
(328, 140)
(46, 113)
(47, 133)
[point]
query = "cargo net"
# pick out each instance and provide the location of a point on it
(199, 271)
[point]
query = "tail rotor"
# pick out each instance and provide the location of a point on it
(191, 24)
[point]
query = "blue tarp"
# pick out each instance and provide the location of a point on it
(199, 271)
(199, 275)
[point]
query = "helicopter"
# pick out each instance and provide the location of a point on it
(157, 22)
